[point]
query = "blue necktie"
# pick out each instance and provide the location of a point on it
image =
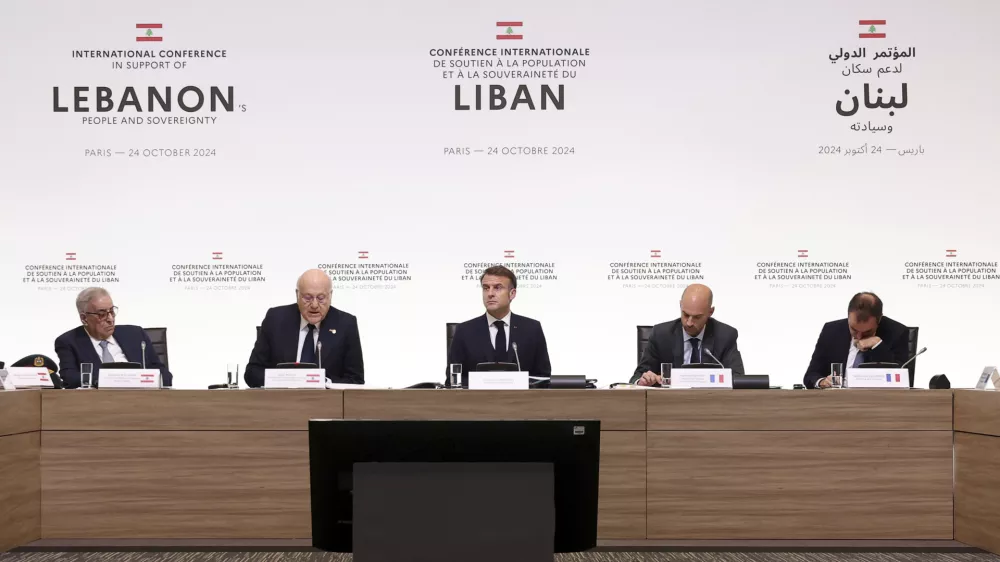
(309, 347)
(695, 352)
(859, 358)
(105, 354)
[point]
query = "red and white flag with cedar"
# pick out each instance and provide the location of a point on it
(149, 32)
(872, 29)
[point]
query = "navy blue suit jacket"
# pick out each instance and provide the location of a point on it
(278, 342)
(472, 345)
(75, 347)
(834, 345)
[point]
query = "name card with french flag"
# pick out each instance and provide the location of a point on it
(129, 379)
(29, 377)
(701, 378)
(294, 378)
(878, 378)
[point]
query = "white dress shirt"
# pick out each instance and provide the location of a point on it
(113, 348)
(303, 330)
(493, 329)
(687, 346)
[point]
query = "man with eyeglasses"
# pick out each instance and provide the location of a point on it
(290, 334)
(99, 340)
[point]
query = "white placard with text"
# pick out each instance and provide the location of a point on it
(29, 377)
(498, 380)
(701, 378)
(878, 378)
(294, 378)
(129, 378)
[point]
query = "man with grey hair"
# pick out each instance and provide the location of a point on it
(292, 334)
(99, 340)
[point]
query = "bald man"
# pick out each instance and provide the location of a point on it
(290, 334)
(683, 341)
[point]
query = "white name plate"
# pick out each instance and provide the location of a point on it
(129, 378)
(701, 378)
(294, 378)
(498, 380)
(29, 377)
(878, 378)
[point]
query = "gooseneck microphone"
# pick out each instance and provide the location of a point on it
(910, 360)
(516, 357)
(319, 354)
(709, 353)
(143, 355)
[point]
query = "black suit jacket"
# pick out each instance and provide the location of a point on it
(278, 342)
(666, 345)
(834, 344)
(472, 345)
(75, 347)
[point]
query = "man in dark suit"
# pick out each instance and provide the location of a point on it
(290, 333)
(865, 336)
(685, 340)
(500, 336)
(99, 341)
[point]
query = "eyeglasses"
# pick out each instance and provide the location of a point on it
(102, 314)
(308, 299)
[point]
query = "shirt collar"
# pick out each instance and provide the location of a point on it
(490, 319)
(700, 336)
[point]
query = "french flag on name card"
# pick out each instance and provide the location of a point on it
(888, 377)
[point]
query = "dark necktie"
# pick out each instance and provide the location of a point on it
(309, 347)
(500, 343)
(695, 352)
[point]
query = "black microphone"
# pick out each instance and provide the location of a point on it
(516, 358)
(910, 360)
(706, 350)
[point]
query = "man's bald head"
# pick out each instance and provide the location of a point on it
(313, 291)
(696, 308)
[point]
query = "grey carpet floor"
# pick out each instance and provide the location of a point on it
(579, 557)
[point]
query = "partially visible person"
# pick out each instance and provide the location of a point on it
(683, 341)
(99, 340)
(492, 337)
(865, 336)
(290, 334)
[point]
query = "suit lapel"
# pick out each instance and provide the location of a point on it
(290, 338)
(844, 343)
(678, 345)
(484, 345)
(328, 335)
(708, 342)
(86, 347)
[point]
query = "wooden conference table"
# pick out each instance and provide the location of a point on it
(690, 464)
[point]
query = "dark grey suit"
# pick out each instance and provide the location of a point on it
(666, 345)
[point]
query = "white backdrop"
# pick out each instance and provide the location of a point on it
(697, 129)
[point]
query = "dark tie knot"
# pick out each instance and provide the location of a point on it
(311, 327)
(498, 324)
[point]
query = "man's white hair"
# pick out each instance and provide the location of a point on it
(87, 295)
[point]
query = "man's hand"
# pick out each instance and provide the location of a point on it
(824, 382)
(868, 343)
(649, 378)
